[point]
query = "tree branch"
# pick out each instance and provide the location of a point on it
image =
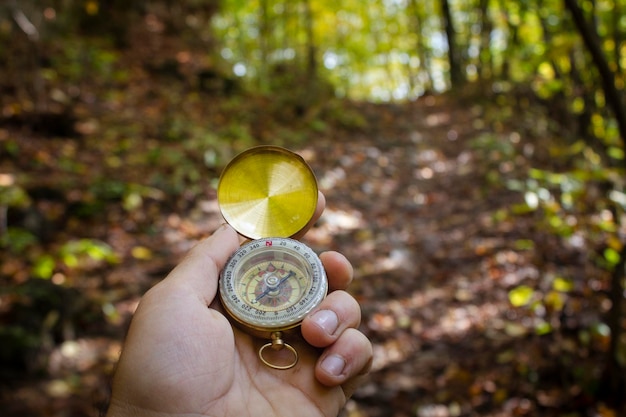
(590, 37)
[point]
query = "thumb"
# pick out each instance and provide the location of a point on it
(201, 267)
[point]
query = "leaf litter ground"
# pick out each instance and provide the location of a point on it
(416, 199)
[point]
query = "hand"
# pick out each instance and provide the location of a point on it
(183, 357)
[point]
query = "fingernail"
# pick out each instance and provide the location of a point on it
(327, 320)
(333, 365)
(222, 227)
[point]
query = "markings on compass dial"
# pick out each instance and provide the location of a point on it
(272, 286)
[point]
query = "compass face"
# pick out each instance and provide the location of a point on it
(272, 284)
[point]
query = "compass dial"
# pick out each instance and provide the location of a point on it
(272, 284)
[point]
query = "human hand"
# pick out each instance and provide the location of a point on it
(183, 357)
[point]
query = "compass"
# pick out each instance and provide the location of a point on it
(270, 283)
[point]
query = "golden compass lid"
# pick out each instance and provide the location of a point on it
(267, 191)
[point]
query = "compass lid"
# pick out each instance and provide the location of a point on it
(267, 191)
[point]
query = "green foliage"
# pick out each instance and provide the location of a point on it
(108, 189)
(85, 59)
(155, 135)
(12, 195)
(75, 254)
(17, 240)
(44, 266)
(559, 198)
(521, 296)
(391, 50)
(612, 257)
(537, 302)
(495, 147)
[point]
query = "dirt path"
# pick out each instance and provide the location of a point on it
(418, 205)
(416, 200)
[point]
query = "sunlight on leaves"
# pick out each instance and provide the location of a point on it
(111, 313)
(78, 252)
(521, 295)
(514, 329)
(17, 239)
(618, 197)
(524, 244)
(601, 329)
(13, 196)
(532, 200)
(562, 284)
(611, 256)
(141, 253)
(554, 300)
(132, 201)
(616, 153)
(44, 267)
(441, 246)
(543, 328)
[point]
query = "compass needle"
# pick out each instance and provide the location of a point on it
(274, 287)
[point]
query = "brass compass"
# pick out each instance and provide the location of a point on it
(271, 283)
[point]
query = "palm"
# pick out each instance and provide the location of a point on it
(256, 390)
(205, 364)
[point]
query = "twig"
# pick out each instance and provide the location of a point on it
(26, 25)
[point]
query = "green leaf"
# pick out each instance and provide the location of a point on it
(616, 153)
(44, 267)
(515, 329)
(74, 253)
(542, 328)
(132, 201)
(601, 329)
(13, 196)
(554, 300)
(70, 259)
(562, 284)
(17, 239)
(524, 244)
(611, 256)
(521, 295)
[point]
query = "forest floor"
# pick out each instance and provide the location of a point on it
(424, 198)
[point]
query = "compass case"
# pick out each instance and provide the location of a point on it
(267, 191)
(271, 283)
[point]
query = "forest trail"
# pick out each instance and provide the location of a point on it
(409, 203)
(416, 200)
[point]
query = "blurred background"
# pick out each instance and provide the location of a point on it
(471, 153)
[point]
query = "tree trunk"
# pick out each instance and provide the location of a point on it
(513, 44)
(618, 36)
(264, 34)
(614, 372)
(485, 57)
(612, 94)
(311, 57)
(456, 71)
(422, 52)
